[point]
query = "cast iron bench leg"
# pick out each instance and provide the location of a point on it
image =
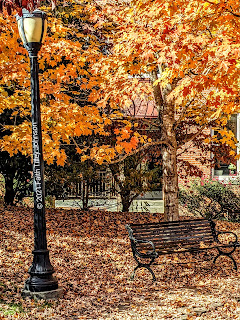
(143, 265)
(227, 254)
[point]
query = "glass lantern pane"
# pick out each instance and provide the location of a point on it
(33, 29)
(20, 29)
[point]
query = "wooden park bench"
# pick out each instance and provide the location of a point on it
(148, 241)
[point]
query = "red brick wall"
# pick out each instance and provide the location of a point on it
(193, 155)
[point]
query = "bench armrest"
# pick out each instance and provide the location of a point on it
(152, 253)
(130, 232)
(135, 241)
(228, 232)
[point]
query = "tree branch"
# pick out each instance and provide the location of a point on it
(177, 122)
(191, 136)
(144, 147)
(231, 11)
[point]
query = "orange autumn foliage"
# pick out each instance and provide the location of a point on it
(62, 66)
(192, 45)
(189, 49)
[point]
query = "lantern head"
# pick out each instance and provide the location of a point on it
(32, 27)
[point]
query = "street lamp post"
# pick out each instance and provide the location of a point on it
(32, 29)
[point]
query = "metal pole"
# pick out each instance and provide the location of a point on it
(41, 270)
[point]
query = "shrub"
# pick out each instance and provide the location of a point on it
(211, 199)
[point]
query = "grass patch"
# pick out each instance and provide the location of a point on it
(10, 308)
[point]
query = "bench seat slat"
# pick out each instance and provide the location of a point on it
(178, 238)
(187, 249)
(191, 247)
(182, 242)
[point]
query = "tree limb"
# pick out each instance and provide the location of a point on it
(191, 136)
(144, 147)
(177, 122)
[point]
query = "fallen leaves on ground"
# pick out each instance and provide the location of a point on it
(91, 254)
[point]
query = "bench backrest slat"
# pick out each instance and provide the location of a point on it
(171, 223)
(176, 237)
(167, 233)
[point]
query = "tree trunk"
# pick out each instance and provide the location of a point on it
(9, 191)
(169, 156)
(85, 194)
(170, 183)
(125, 193)
(126, 202)
(166, 115)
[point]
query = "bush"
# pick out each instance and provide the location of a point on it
(211, 199)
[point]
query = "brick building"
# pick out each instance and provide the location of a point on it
(147, 110)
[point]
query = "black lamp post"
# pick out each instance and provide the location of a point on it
(32, 29)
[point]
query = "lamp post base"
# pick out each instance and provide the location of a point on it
(41, 283)
(45, 295)
(41, 273)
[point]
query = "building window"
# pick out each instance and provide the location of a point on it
(228, 169)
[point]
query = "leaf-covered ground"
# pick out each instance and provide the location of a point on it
(91, 254)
